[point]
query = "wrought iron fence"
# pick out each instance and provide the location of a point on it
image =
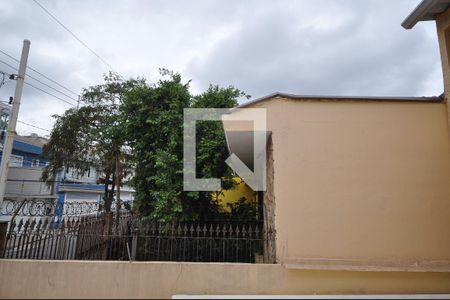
(48, 207)
(45, 207)
(102, 238)
(200, 242)
(47, 239)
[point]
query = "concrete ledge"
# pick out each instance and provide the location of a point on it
(421, 296)
(93, 279)
(366, 266)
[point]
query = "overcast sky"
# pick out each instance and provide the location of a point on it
(325, 47)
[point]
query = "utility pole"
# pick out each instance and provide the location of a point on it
(11, 132)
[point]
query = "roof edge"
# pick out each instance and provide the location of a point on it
(418, 13)
(434, 99)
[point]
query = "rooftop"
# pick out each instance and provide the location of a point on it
(33, 139)
(342, 98)
(425, 11)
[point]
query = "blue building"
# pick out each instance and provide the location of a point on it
(27, 152)
(24, 181)
(25, 168)
(24, 174)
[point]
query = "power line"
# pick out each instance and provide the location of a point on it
(43, 83)
(43, 75)
(53, 81)
(73, 34)
(44, 91)
(34, 126)
(33, 86)
(5, 63)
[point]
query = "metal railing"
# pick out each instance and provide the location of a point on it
(97, 238)
(197, 242)
(30, 207)
(46, 207)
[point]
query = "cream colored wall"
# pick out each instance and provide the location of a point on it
(361, 183)
(77, 279)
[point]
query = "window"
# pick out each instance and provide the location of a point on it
(91, 173)
(16, 161)
(35, 162)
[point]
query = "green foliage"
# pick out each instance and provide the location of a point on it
(242, 210)
(92, 135)
(70, 142)
(154, 128)
(141, 126)
(155, 131)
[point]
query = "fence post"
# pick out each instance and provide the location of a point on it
(107, 225)
(3, 238)
(135, 236)
(107, 228)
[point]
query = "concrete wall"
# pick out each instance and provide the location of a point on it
(26, 181)
(362, 184)
(75, 279)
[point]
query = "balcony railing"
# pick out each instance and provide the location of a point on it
(104, 238)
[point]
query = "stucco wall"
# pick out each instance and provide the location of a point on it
(53, 279)
(361, 182)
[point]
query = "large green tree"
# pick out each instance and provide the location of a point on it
(131, 124)
(155, 130)
(93, 135)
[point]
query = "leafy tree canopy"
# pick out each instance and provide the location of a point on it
(140, 126)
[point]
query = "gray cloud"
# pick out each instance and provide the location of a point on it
(340, 47)
(350, 49)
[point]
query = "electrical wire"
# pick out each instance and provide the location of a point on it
(74, 35)
(44, 91)
(34, 126)
(43, 75)
(52, 88)
(12, 67)
(43, 83)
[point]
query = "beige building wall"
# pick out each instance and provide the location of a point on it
(78, 279)
(361, 183)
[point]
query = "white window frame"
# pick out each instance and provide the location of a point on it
(16, 161)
